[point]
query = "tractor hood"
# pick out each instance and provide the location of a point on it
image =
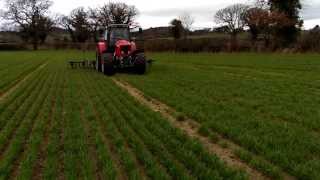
(124, 48)
(121, 43)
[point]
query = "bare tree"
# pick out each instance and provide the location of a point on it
(32, 18)
(64, 22)
(45, 26)
(118, 13)
(111, 13)
(233, 18)
(96, 21)
(77, 24)
(1, 19)
(85, 23)
(187, 20)
(262, 4)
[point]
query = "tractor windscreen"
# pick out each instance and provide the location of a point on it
(119, 34)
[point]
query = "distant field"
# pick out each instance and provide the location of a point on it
(258, 116)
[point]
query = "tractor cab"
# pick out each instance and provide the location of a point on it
(115, 33)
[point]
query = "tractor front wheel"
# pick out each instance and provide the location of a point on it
(140, 64)
(108, 67)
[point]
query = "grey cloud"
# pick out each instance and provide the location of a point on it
(311, 11)
(195, 11)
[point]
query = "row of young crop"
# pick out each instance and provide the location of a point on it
(34, 161)
(51, 131)
(19, 128)
(271, 116)
(10, 60)
(145, 143)
(50, 161)
(13, 74)
(64, 123)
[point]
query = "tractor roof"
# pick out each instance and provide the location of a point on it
(118, 26)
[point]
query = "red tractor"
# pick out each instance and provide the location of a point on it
(117, 50)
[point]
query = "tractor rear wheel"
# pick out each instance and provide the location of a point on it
(108, 67)
(140, 64)
(98, 63)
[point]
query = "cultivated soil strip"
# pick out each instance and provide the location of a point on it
(20, 81)
(191, 127)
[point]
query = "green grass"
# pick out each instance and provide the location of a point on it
(77, 124)
(63, 123)
(267, 103)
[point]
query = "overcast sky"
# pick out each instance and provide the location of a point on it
(160, 12)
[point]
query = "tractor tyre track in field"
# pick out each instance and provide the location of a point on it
(138, 162)
(20, 81)
(190, 127)
(144, 145)
(140, 139)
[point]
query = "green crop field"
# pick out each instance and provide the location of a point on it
(263, 110)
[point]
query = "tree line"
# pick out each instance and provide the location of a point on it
(267, 20)
(34, 22)
(273, 21)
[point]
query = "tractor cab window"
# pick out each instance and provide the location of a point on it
(119, 34)
(106, 36)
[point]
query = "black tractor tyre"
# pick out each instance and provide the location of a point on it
(98, 63)
(109, 68)
(140, 64)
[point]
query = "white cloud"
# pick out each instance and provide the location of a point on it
(160, 13)
(308, 24)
